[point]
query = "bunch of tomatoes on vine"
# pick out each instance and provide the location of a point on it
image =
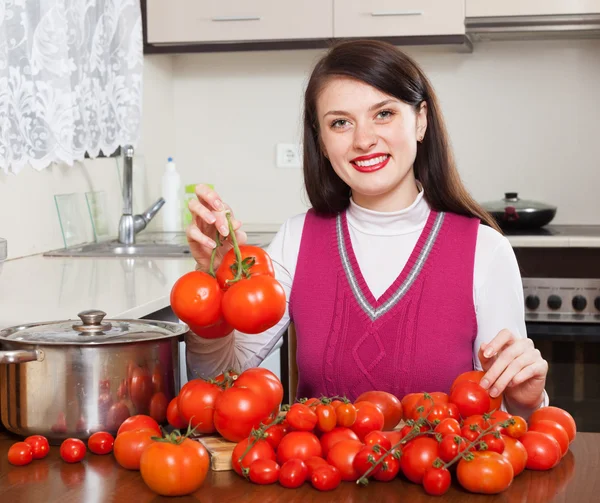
(242, 294)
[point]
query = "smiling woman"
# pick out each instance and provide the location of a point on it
(414, 282)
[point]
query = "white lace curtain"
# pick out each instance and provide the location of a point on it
(70, 80)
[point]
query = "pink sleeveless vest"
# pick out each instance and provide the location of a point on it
(418, 336)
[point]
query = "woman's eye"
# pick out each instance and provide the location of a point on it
(385, 114)
(339, 123)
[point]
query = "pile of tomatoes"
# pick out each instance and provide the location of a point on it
(461, 434)
(243, 295)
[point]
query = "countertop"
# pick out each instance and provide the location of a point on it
(98, 479)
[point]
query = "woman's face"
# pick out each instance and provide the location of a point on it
(371, 139)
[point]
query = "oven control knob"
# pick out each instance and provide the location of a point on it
(579, 302)
(597, 303)
(532, 302)
(554, 302)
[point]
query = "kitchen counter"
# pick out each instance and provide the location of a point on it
(98, 479)
(557, 236)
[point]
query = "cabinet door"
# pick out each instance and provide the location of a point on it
(395, 18)
(490, 8)
(185, 21)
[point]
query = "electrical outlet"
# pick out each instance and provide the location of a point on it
(288, 155)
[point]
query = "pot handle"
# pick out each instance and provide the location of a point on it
(22, 356)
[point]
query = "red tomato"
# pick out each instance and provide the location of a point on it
(447, 426)
(328, 440)
(342, 457)
(171, 469)
(264, 472)
(436, 481)
(553, 429)
(215, 331)
(543, 451)
(345, 414)
(475, 376)
(368, 418)
(496, 418)
(557, 415)
(263, 382)
(39, 446)
(260, 450)
(302, 417)
(275, 433)
(365, 459)
(72, 450)
(487, 473)
(173, 416)
(101, 442)
(470, 398)
(418, 456)
(129, 446)
(515, 453)
(255, 262)
(470, 432)
(394, 436)
(492, 443)
(196, 404)
(254, 305)
(141, 389)
(313, 463)
(389, 469)
(293, 473)
(409, 404)
(326, 418)
(518, 428)
(196, 298)
(388, 404)
(20, 454)
(298, 444)
(158, 407)
(326, 478)
(378, 438)
(140, 422)
(450, 446)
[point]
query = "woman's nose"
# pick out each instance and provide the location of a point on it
(365, 137)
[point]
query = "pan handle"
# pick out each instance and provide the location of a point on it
(22, 356)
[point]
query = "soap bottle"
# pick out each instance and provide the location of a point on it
(171, 192)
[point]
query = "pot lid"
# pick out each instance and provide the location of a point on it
(92, 329)
(512, 199)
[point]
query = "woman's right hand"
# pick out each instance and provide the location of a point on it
(209, 216)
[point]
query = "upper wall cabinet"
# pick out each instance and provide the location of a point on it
(500, 8)
(398, 18)
(210, 21)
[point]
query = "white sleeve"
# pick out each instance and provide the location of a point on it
(209, 357)
(498, 295)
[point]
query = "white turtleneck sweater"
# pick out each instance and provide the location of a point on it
(377, 238)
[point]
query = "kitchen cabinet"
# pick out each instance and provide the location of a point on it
(505, 8)
(398, 18)
(211, 21)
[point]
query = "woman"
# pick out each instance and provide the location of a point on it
(396, 279)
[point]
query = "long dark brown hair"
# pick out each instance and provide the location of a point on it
(388, 69)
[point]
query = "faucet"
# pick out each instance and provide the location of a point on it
(129, 224)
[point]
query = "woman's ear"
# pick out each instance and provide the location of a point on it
(421, 121)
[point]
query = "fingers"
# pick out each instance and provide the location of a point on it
(492, 348)
(193, 233)
(509, 367)
(537, 369)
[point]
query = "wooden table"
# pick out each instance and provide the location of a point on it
(100, 479)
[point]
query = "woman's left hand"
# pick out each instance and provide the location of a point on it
(514, 366)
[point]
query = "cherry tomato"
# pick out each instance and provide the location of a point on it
(171, 469)
(328, 440)
(39, 446)
(264, 471)
(326, 418)
(543, 451)
(129, 446)
(298, 444)
(260, 450)
(196, 404)
(518, 428)
(345, 415)
(342, 457)
(389, 469)
(447, 426)
(313, 463)
(140, 422)
(515, 453)
(378, 438)
(293, 473)
(72, 450)
(326, 478)
(254, 305)
(173, 416)
(557, 415)
(20, 454)
(101, 442)
(409, 404)
(255, 262)
(302, 417)
(476, 376)
(436, 481)
(388, 404)
(470, 398)
(553, 429)
(470, 432)
(487, 473)
(275, 433)
(492, 443)
(368, 418)
(450, 446)
(496, 419)
(196, 299)
(365, 459)
(418, 455)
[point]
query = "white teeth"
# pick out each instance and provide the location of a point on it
(371, 162)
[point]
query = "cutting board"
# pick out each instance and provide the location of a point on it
(220, 451)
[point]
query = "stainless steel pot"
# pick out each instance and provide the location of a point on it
(72, 378)
(513, 213)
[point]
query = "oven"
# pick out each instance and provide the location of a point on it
(562, 313)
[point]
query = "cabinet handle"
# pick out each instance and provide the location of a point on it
(385, 13)
(236, 18)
